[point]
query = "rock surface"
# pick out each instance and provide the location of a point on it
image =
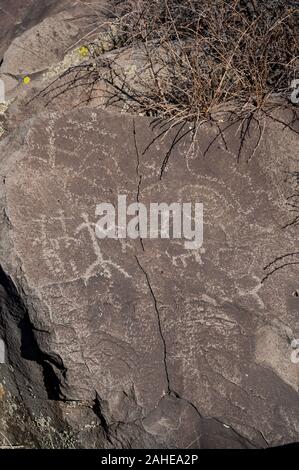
(46, 43)
(20, 15)
(168, 346)
(141, 343)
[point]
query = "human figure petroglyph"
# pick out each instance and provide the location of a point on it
(100, 263)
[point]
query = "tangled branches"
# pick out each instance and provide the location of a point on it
(203, 55)
(193, 61)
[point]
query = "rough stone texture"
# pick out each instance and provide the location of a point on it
(47, 42)
(20, 15)
(149, 344)
(43, 45)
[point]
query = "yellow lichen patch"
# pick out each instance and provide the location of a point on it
(71, 59)
(104, 43)
(26, 80)
(83, 51)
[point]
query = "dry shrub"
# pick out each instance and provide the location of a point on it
(203, 55)
(200, 60)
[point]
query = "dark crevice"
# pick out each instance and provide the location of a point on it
(159, 324)
(206, 419)
(23, 350)
(97, 409)
(237, 436)
(138, 174)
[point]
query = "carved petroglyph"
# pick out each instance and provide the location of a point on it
(210, 302)
(100, 262)
(53, 237)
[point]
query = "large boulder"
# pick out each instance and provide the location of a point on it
(144, 343)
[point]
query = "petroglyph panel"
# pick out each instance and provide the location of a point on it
(153, 320)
